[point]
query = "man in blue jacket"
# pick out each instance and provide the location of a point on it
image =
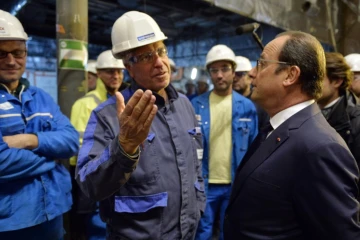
(229, 125)
(34, 135)
(141, 161)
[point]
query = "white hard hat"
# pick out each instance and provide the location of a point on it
(220, 53)
(134, 29)
(11, 28)
(203, 79)
(91, 66)
(353, 60)
(172, 64)
(242, 64)
(107, 60)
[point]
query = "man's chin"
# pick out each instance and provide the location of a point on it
(8, 80)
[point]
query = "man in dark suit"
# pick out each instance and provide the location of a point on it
(300, 183)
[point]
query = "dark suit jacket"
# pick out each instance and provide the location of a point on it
(300, 183)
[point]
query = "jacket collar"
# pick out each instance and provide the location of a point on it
(160, 101)
(23, 85)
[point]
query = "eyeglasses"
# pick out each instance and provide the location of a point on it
(215, 71)
(240, 74)
(149, 56)
(15, 53)
(261, 63)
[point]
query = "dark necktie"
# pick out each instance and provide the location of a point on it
(260, 138)
(265, 131)
(326, 112)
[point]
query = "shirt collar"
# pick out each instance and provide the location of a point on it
(285, 114)
(332, 103)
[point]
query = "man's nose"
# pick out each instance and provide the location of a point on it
(158, 61)
(9, 58)
(252, 73)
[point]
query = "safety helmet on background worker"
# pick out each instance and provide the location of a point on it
(11, 28)
(107, 60)
(172, 65)
(220, 53)
(132, 30)
(243, 64)
(353, 60)
(91, 66)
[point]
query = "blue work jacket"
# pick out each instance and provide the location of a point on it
(244, 128)
(159, 194)
(35, 186)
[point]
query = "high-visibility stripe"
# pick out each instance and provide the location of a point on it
(28, 118)
(39, 114)
(10, 115)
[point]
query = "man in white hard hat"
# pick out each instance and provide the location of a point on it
(110, 80)
(354, 62)
(190, 89)
(91, 75)
(202, 85)
(242, 82)
(34, 134)
(242, 85)
(229, 125)
(142, 159)
(172, 65)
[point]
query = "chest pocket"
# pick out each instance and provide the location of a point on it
(243, 129)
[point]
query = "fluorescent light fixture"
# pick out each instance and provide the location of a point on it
(193, 73)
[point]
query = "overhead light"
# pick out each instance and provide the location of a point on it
(18, 7)
(193, 73)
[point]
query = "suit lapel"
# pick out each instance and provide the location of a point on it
(257, 157)
(259, 152)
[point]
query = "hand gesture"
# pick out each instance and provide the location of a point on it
(135, 119)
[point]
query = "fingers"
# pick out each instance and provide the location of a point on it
(132, 102)
(120, 103)
(139, 103)
(146, 100)
(145, 112)
(150, 117)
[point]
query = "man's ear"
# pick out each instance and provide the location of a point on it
(337, 82)
(293, 74)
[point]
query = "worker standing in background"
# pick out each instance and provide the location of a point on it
(35, 187)
(229, 125)
(338, 104)
(242, 85)
(354, 62)
(91, 75)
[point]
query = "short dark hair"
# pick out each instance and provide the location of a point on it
(306, 52)
(337, 68)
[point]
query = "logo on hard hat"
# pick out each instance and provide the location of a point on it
(2, 30)
(144, 37)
